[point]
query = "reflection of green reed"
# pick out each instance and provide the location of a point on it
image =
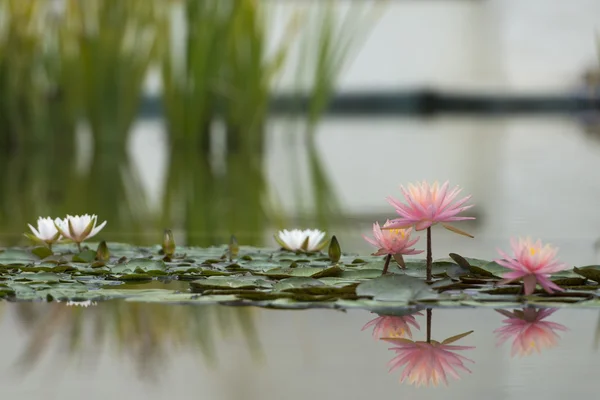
(149, 334)
(211, 203)
(45, 182)
(35, 182)
(112, 190)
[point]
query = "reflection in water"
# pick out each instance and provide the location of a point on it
(46, 182)
(204, 199)
(528, 330)
(149, 334)
(392, 326)
(425, 362)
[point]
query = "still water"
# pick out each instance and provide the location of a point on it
(528, 176)
(124, 350)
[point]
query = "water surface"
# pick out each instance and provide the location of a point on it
(129, 350)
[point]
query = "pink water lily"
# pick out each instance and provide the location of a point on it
(428, 205)
(528, 330)
(389, 326)
(392, 241)
(533, 263)
(428, 363)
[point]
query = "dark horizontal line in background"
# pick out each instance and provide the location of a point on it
(420, 102)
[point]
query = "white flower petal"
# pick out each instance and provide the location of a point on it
(97, 229)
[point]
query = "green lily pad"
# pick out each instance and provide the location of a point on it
(222, 282)
(591, 272)
(312, 272)
(400, 288)
(138, 266)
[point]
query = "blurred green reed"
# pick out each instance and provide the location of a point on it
(334, 32)
(33, 110)
(86, 65)
(147, 334)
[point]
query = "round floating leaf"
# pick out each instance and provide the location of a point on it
(223, 282)
(297, 282)
(401, 288)
(85, 256)
(42, 252)
(591, 272)
(138, 266)
(361, 274)
(313, 272)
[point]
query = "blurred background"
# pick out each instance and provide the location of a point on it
(220, 117)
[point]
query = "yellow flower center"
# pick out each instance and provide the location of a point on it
(398, 333)
(398, 232)
(532, 251)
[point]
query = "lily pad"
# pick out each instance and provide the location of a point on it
(400, 288)
(139, 266)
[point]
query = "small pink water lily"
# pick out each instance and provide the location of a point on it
(392, 241)
(429, 205)
(428, 363)
(533, 263)
(46, 231)
(529, 330)
(79, 228)
(388, 326)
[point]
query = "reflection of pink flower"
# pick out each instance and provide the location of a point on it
(533, 263)
(428, 205)
(386, 326)
(392, 241)
(428, 363)
(529, 330)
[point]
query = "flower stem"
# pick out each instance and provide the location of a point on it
(429, 325)
(79, 247)
(387, 264)
(429, 257)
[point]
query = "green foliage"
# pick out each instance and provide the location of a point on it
(265, 277)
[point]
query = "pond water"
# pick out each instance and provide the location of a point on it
(528, 176)
(125, 350)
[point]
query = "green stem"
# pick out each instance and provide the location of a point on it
(387, 264)
(429, 257)
(79, 246)
(429, 325)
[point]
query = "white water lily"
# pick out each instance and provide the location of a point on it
(79, 228)
(46, 230)
(308, 240)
